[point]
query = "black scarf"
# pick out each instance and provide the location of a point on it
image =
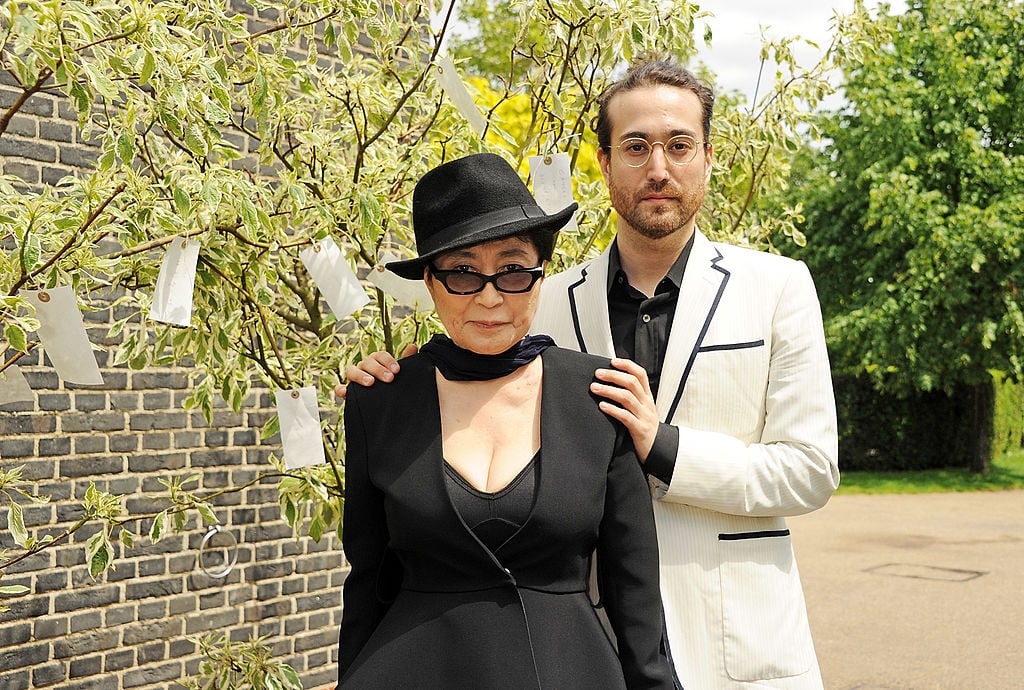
(458, 364)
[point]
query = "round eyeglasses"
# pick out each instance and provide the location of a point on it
(469, 282)
(679, 150)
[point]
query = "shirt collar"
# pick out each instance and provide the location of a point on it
(674, 275)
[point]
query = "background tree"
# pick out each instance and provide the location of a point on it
(258, 140)
(916, 207)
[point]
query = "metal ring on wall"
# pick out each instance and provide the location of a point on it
(226, 564)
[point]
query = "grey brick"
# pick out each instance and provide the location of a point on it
(48, 674)
(153, 609)
(148, 676)
(123, 443)
(118, 615)
(89, 666)
(79, 645)
(90, 402)
(90, 467)
(87, 620)
(54, 402)
(90, 444)
(86, 598)
(15, 634)
(24, 148)
(56, 131)
(50, 581)
(150, 462)
(45, 628)
(27, 424)
(94, 421)
(53, 175)
(156, 400)
(28, 172)
(118, 660)
(25, 656)
(149, 653)
(22, 126)
(77, 156)
(55, 446)
(156, 588)
(16, 680)
(127, 401)
(160, 441)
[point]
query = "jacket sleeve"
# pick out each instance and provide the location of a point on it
(627, 559)
(793, 468)
(365, 540)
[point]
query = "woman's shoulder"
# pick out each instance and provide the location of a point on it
(562, 361)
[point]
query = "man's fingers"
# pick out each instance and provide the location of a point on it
(410, 350)
(340, 391)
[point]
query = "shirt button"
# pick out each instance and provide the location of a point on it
(646, 318)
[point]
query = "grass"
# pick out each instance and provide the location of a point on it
(1006, 472)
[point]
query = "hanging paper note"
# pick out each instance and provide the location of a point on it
(452, 84)
(63, 335)
(552, 184)
(13, 386)
(172, 300)
(332, 274)
(408, 293)
(301, 438)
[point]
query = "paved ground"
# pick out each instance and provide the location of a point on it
(916, 592)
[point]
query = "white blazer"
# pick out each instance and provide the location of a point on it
(747, 382)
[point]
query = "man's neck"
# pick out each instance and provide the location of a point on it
(646, 261)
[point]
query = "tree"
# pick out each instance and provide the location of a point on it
(260, 139)
(915, 206)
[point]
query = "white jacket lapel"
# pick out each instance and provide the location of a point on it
(703, 283)
(588, 305)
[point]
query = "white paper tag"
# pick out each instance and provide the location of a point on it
(452, 84)
(63, 335)
(172, 299)
(13, 386)
(332, 274)
(409, 293)
(301, 438)
(552, 184)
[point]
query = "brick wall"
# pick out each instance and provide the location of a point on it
(130, 629)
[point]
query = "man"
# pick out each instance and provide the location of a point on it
(730, 401)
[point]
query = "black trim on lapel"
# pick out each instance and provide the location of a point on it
(703, 332)
(575, 312)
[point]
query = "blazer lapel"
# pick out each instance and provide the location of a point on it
(703, 284)
(588, 307)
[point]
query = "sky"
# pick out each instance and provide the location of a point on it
(736, 28)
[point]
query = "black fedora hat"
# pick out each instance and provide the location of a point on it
(471, 200)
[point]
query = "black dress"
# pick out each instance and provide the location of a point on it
(428, 605)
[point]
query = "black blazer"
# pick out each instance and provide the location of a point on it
(427, 605)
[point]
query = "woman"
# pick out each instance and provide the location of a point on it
(479, 483)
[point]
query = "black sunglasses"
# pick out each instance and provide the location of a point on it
(469, 282)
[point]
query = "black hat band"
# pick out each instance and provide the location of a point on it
(466, 228)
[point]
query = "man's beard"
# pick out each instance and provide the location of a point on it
(658, 221)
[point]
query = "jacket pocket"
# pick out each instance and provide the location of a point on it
(764, 618)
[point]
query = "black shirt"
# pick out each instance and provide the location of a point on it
(640, 330)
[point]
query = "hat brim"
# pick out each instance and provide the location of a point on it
(412, 269)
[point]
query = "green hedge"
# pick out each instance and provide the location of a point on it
(1008, 422)
(878, 431)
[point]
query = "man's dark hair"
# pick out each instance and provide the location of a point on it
(653, 73)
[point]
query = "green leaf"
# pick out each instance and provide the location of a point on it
(13, 590)
(15, 336)
(16, 524)
(159, 527)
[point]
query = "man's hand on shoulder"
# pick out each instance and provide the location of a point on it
(629, 400)
(379, 366)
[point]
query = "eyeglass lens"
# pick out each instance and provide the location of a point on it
(468, 282)
(680, 150)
